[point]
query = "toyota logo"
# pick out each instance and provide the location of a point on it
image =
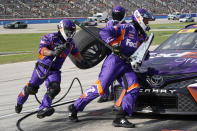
(156, 80)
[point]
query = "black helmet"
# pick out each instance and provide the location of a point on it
(118, 13)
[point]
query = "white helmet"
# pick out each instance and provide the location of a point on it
(139, 15)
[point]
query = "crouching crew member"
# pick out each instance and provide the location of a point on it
(53, 45)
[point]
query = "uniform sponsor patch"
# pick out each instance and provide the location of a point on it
(43, 42)
(131, 35)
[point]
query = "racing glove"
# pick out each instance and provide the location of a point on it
(58, 50)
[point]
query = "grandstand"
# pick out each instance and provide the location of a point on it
(10, 9)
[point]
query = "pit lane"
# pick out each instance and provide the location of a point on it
(96, 116)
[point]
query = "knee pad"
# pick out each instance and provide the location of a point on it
(54, 89)
(31, 90)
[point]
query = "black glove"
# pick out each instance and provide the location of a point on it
(61, 47)
(116, 50)
(58, 50)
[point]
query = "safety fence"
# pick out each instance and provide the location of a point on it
(80, 19)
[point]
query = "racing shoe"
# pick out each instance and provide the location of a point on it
(18, 108)
(123, 122)
(72, 113)
(102, 99)
(45, 112)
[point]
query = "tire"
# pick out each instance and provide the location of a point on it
(91, 49)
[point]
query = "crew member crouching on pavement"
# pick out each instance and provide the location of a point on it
(53, 45)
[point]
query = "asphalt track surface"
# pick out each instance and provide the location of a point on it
(95, 117)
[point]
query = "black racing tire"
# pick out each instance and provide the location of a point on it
(90, 48)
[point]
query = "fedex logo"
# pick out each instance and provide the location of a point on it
(130, 43)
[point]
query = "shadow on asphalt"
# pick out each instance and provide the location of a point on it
(96, 118)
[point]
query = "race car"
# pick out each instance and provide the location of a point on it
(168, 79)
(186, 19)
(90, 22)
(16, 25)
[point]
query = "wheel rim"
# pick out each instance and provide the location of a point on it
(93, 53)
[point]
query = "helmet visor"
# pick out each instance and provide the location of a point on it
(117, 16)
(148, 16)
(69, 31)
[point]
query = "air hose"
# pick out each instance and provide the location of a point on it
(64, 103)
(43, 77)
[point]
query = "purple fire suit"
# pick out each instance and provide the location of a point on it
(114, 67)
(110, 24)
(49, 41)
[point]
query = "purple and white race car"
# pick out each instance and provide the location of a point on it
(169, 81)
(168, 78)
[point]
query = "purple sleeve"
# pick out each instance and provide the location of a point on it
(44, 43)
(110, 32)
